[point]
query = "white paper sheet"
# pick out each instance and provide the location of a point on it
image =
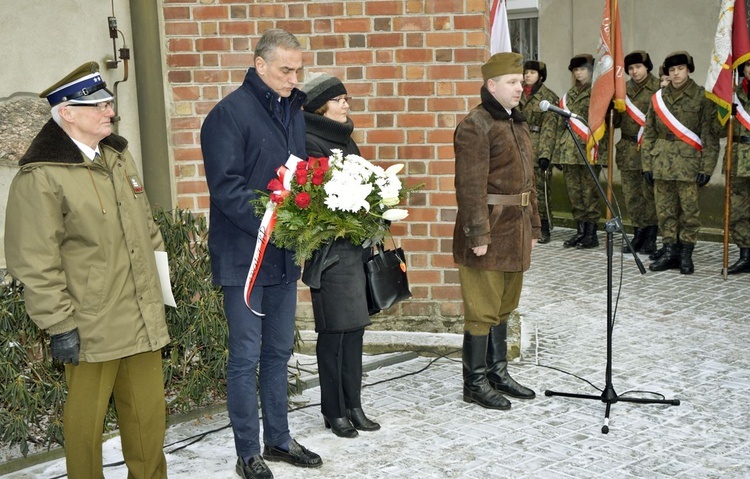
(162, 264)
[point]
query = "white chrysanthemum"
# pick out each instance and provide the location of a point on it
(346, 192)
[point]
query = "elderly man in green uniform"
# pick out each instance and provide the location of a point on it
(497, 225)
(80, 236)
(680, 151)
(639, 195)
(739, 217)
(534, 92)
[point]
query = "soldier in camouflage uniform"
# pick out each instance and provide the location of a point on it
(679, 153)
(534, 91)
(639, 195)
(739, 216)
(558, 147)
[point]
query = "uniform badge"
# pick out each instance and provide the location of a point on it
(135, 184)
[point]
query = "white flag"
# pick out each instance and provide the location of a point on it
(499, 31)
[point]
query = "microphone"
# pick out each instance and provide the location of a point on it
(544, 105)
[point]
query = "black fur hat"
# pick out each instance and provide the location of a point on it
(679, 58)
(581, 60)
(638, 56)
(538, 67)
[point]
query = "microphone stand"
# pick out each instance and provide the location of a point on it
(609, 396)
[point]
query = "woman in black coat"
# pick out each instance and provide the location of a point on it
(336, 275)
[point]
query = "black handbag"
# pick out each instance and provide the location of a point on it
(387, 283)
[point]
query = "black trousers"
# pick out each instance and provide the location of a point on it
(340, 371)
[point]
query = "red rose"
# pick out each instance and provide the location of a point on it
(301, 177)
(275, 185)
(323, 164)
(318, 176)
(302, 165)
(302, 200)
(276, 198)
(316, 162)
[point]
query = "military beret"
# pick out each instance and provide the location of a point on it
(679, 58)
(537, 66)
(502, 64)
(638, 56)
(581, 60)
(320, 89)
(82, 85)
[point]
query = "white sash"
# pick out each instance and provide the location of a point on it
(637, 115)
(674, 125)
(742, 116)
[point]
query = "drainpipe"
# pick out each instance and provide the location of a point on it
(157, 178)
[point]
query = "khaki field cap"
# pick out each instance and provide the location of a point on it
(502, 64)
(83, 85)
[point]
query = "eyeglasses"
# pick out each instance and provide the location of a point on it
(101, 106)
(342, 99)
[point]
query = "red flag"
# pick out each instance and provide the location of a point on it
(609, 72)
(499, 31)
(731, 49)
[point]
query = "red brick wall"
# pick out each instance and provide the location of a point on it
(413, 68)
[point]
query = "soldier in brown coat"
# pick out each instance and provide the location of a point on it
(497, 225)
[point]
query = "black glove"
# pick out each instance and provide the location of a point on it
(543, 163)
(649, 177)
(558, 166)
(65, 347)
(702, 179)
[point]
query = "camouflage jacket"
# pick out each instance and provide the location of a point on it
(670, 158)
(535, 117)
(556, 143)
(628, 155)
(740, 149)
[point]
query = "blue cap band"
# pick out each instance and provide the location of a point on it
(76, 90)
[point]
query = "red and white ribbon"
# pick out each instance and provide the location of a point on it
(637, 115)
(680, 131)
(284, 173)
(742, 115)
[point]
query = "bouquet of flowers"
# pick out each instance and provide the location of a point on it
(330, 198)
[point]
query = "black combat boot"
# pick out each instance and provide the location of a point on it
(686, 258)
(545, 233)
(589, 239)
(649, 240)
(497, 365)
(636, 242)
(476, 387)
(670, 259)
(743, 264)
(573, 240)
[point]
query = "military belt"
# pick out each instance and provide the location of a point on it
(521, 199)
(633, 138)
(535, 129)
(668, 136)
(745, 140)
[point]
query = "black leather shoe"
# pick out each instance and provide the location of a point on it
(256, 468)
(360, 421)
(297, 455)
(340, 426)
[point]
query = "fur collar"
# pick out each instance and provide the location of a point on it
(53, 145)
(498, 111)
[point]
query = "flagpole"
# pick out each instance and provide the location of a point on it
(610, 157)
(728, 186)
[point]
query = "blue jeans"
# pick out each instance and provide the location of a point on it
(267, 340)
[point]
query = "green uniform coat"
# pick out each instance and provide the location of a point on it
(675, 160)
(81, 237)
